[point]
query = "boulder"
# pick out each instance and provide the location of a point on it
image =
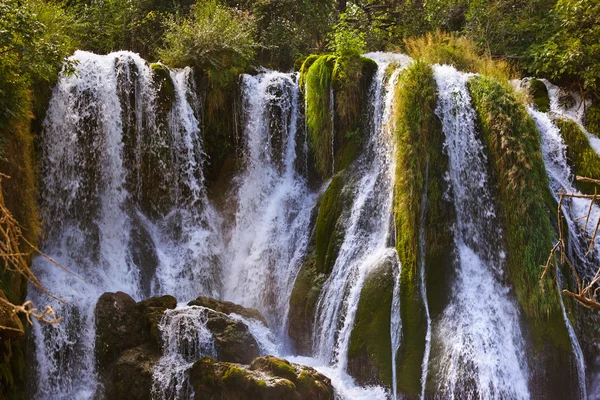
(151, 311)
(227, 307)
(133, 374)
(232, 340)
(266, 378)
(118, 327)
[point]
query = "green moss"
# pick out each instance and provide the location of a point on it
(350, 79)
(592, 118)
(303, 303)
(582, 158)
(539, 93)
(235, 377)
(371, 332)
(526, 202)
(161, 78)
(276, 366)
(318, 120)
(420, 166)
(327, 245)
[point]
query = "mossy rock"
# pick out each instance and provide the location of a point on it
(161, 79)
(17, 160)
(370, 348)
(539, 93)
(582, 159)
(261, 380)
(303, 304)
(592, 118)
(316, 83)
(326, 235)
(420, 169)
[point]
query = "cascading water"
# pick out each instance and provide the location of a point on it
(185, 338)
(560, 177)
(366, 230)
(108, 219)
(481, 348)
(271, 229)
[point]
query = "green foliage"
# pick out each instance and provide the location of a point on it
(370, 336)
(459, 51)
(573, 51)
(346, 40)
(582, 158)
(33, 43)
(508, 28)
(514, 151)
(213, 37)
(288, 29)
(137, 25)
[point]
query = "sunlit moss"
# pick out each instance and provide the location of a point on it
(582, 158)
(526, 202)
(420, 166)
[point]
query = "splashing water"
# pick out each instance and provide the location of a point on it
(108, 218)
(270, 234)
(481, 344)
(560, 177)
(185, 338)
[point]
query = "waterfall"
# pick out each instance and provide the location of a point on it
(270, 233)
(366, 229)
(481, 348)
(124, 206)
(575, 112)
(185, 338)
(560, 178)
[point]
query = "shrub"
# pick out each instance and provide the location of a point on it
(215, 38)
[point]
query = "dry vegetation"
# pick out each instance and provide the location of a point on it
(15, 259)
(587, 291)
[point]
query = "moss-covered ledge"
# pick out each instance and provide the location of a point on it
(527, 209)
(582, 159)
(335, 142)
(420, 167)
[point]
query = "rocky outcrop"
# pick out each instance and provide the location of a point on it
(129, 342)
(233, 342)
(227, 307)
(266, 378)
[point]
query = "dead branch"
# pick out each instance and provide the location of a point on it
(586, 294)
(15, 259)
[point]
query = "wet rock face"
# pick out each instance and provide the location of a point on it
(227, 307)
(129, 342)
(233, 342)
(266, 378)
